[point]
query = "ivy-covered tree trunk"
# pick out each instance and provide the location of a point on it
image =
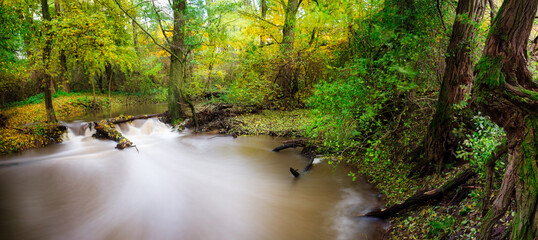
(506, 93)
(176, 102)
(457, 82)
(51, 116)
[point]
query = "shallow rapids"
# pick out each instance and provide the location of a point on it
(178, 186)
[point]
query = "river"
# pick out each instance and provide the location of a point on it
(177, 186)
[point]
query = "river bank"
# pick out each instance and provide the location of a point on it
(23, 125)
(456, 215)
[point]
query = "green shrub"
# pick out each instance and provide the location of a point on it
(480, 145)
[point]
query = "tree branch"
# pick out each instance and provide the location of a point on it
(160, 23)
(145, 31)
(257, 17)
(298, 5)
(440, 14)
(492, 10)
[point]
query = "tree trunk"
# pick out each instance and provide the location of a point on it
(263, 10)
(176, 103)
(135, 38)
(51, 116)
(109, 73)
(288, 32)
(63, 59)
(209, 77)
(506, 93)
(457, 82)
(287, 73)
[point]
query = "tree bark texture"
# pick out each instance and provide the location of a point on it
(457, 82)
(263, 12)
(63, 59)
(51, 117)
(287, 75)
(288, 31)
(506, 93)
(176, 103)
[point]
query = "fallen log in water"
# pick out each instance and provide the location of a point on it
(421, 198)
(294, 143)
(105, 129)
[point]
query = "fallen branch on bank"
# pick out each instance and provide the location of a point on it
(105, 129)
(421, 198)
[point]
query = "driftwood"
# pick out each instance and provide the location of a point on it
(422, 197)
(290, 144)
(105, 129)
(294, 143)
(295, 172)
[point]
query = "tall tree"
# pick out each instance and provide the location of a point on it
(263, 13)
(176, 100)
(288, 72)
(290, 21)
(51, 117)
(506, 93)
(457, 81)
(62, 58)
(179, 52)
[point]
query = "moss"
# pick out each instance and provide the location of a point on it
(271, 122)
(522, 227)
(532, 94)
(489, 71)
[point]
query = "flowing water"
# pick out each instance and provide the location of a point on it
(178, 186)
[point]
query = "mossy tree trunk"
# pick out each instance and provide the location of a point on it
(51, 116)
(506, 93)
(457, 82)
(290, 20)
(288, 75)
(176, 102)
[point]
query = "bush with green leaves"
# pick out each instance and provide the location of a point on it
(249, 89)
(480, 145)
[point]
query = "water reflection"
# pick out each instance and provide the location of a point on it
(116, 111)
(179, 186)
